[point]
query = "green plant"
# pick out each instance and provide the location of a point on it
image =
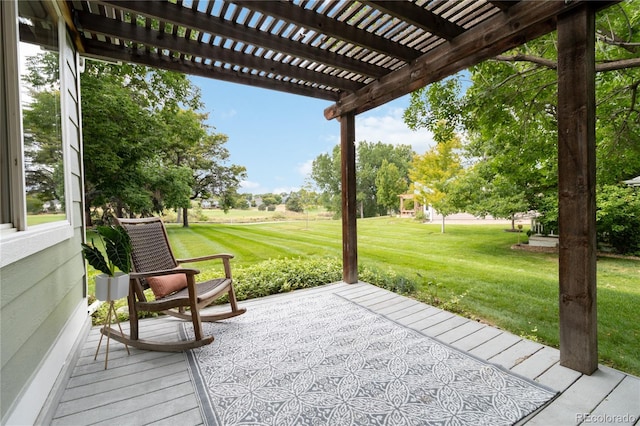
(421, 216)
(117, 247)
(618, 218)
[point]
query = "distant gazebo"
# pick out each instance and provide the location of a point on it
(409, 212)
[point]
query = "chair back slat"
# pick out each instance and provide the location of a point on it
(150, 246)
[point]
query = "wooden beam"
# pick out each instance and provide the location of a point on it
(418, 16)
(152, 38)
(348, 168)
(502, 4)
(576, 190)
(323, 24)
(522, 22)
(179, 15)
(68, 19)
(109, 52)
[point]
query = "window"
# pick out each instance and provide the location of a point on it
(34, 182)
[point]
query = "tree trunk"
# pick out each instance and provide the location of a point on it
(87, 215)
(442, 228)
(185, 218)
(513, 222)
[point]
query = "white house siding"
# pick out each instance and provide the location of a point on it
(43, 296)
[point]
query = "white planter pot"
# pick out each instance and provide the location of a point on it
(112, 288)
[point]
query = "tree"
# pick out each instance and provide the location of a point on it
(294, 203)
(390, 183)
(44, 166)
(618, 218)
(191, 144)
(435, 172)
(122, 132)
(370, 157)
(326, 174)
(146, 146)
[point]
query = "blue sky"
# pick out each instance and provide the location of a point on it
(276, 136)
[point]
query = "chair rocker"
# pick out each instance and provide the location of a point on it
(152, 259)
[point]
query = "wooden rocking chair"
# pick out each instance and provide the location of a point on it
(175, 288)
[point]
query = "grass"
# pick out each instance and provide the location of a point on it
(470, 269)
(38, 219)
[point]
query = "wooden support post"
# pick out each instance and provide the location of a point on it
(348, 168)
(576, 190)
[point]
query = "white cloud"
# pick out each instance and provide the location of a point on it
(258, 188)
(248, 185)
(386, 125)
(285, 189)
(305, 168)
(389, 128)
(225, 115)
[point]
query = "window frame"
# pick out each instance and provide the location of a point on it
(17, 240)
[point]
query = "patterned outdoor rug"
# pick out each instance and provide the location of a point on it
(322, 360)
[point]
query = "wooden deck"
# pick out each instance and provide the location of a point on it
(155, 387)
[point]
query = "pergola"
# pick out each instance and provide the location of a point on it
(361, 54)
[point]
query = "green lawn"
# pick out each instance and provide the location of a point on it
(38, 219)
(472, 269)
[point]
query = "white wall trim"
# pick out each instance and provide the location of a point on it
(18, 245)
(34, 395)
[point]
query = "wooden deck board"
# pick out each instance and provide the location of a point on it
(460, 332)
(621, 406)
(538, 363)
(579, 399)
(494, 346)
(155, 387)
(516, 354)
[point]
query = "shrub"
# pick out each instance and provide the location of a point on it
(271, 208)
(34, 205)
(618, 218)
(294, 204)
(283, 275)
(286, 274)
(387, 279)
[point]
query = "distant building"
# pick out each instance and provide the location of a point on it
(633, 182)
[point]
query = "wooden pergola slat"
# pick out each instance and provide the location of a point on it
(331, 27)
(182, 16)
(419, 17)
(525, 21)
(95, 48)
(150, 37)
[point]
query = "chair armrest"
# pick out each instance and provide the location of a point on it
(225, 261)
(209, 257)
(188, 271)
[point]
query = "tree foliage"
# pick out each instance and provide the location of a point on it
(146, 146)
(506, 108)
(618, 218)
(435, 172)
(370, 158)
(44, 162)
(390, 184)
